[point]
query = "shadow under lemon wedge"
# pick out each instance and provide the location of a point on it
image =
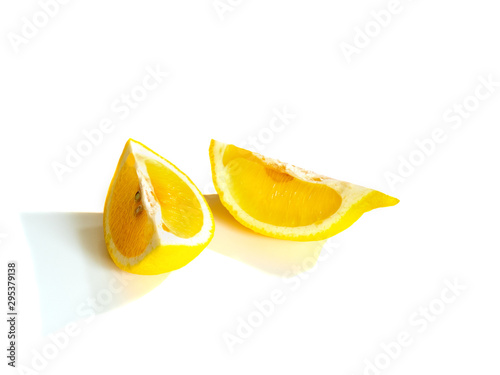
(155, 219)
(283, 201)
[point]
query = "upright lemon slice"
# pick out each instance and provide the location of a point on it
(283, 201)
(155, 219)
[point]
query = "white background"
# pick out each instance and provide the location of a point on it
(353, 122)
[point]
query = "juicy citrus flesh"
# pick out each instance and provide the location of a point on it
(283, 201)
(180, 209)
(131, 232)
(155, 219)
(288, 201)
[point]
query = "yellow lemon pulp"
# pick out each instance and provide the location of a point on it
(155, 219)
(284, 201)
(180, 209)
(288, 201)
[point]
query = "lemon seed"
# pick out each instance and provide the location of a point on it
(138, 210)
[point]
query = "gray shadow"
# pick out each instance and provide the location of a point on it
(278, 257)
(76, 277)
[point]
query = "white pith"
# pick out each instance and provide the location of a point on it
(349, 193)
(153, 209)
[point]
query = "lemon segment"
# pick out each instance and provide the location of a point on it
(283, 201)
(181, 210)
(155, 218)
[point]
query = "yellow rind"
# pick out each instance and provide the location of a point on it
(162, 255)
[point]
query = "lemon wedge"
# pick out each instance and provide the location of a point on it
(155, 218)
(280, 200)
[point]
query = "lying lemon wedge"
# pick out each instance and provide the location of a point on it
(155, 218)
(283, 201)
